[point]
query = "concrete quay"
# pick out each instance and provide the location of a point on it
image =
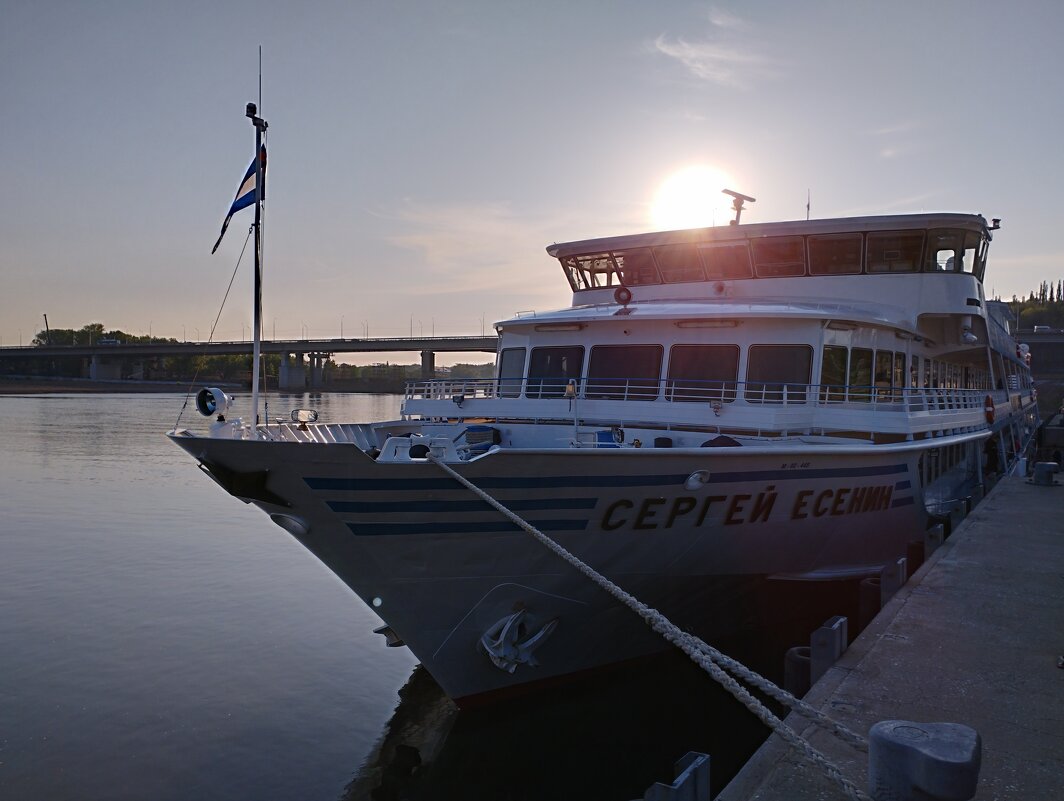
(974, 638)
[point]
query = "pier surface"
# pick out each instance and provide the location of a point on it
(973, 638)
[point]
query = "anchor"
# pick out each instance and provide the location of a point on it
(507, 645)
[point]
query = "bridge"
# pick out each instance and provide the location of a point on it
(105, 361)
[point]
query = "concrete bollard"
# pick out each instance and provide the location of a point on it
(796, 670)
(869, 601)
(691, 782)
(891, 580)
(826, 646)
(933, 538)
(922, 761)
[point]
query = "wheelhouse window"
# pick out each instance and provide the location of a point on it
(590, 272)
(835, 254)
(779, 256)
(722, 262)
(679, 263)
(833, 374)
(953, 251)
(778, 373)
(511, 372)
(636, 267)
(894, 251)
(624, 372)
(551, 369)
(700, 373)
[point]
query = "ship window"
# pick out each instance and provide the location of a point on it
(833, 374)
(778, 373)
(952, 251)
(550, 370)
(590, 272)
(511, 371)
(779, 256)
(701, 373)
(884, 374)
(894, 251)
(636, 267)
(726, 261)
(624, 372)
(679, 263)
(899, 375)
(835, 254)
(860, 374)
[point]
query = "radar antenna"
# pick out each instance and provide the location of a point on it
(737, 203)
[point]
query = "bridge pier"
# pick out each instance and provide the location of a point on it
(318, 374)
(292, 376)
(428, 365)
(101, 369)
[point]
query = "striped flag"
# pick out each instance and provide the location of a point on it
(245, 195)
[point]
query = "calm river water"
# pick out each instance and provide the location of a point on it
(159, 639)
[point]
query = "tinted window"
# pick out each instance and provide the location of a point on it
(511, 371)
(703, 372)
(860, 374)
(637, 267)
(837, 254)
(626, 372)
(550, 369)
(778, 256)
(775, 373)
(833, 373)
(679, 263)
(895, 251)
(726, 261)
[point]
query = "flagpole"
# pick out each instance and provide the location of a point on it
(260, 127)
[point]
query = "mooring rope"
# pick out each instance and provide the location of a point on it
(700, 652)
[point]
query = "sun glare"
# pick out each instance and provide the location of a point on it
(691, 198)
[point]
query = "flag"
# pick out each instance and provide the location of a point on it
(245, 195)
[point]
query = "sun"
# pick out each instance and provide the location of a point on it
(692, 198)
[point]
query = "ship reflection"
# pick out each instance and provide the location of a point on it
(610, 736)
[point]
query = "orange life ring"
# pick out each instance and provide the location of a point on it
(988, 410)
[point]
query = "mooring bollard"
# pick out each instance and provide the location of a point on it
(691, 782)
(933, 538)
(826, 646)
(922, 761)
(796, 670)
(891, 579)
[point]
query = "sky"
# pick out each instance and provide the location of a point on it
(422, 155)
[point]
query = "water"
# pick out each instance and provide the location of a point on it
(159, 639)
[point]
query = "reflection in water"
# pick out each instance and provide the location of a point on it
(609, 736)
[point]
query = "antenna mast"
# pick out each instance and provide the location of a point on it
(260, 128)
(737, 203)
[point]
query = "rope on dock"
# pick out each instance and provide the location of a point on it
(701, 653)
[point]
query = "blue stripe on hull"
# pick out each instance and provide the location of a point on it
(517, 505)
(492, 527)
(555, 482)
(901, 502)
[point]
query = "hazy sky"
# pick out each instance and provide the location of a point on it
(422, 155)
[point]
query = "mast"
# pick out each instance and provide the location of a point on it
(260, 128)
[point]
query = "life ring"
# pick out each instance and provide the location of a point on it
(623, 295)
(988, 410)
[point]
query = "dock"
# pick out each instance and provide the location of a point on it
(975, 637)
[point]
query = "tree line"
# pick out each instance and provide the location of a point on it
(1043, 306)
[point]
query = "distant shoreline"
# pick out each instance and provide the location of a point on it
(44, 385)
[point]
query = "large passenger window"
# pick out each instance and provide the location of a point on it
(679, 263)
(952, 251)
(860, 374)
(511, 372)
(833, 374)
(835, 254)
(550, 370)
(726, 261)
(895, 251)
(778, 373)
(777, 256)
(624, 372)
(700, 373)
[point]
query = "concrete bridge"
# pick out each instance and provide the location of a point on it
(105, 361)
